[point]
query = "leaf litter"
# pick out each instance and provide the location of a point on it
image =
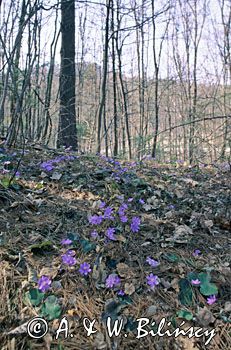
(139, 239)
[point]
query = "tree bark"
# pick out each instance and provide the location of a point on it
(67, 133)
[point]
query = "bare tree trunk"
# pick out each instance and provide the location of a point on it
(104, 81)
(67, 133)
(123, 86)
(115, 117)
(49, 82)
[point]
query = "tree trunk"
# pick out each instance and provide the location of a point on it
(67, 133)
(104, 82)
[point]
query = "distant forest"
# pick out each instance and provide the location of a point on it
(125, 78)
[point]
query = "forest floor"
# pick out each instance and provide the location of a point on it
(167, 257)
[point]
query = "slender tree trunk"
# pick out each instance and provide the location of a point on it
(104, 81)
(115, 117)
(67, 133)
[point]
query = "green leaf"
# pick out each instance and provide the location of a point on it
(112, 310)
(86, 245)
(187, 315)
(40, 248)
(15, 186)
(206, 287)
(171, 257)
(131, 324)
(186, 294)
(35, 296)
(193, 276)
(125, 299)
(5, 182)
(204, 277)
(74, 237)
(51, 309)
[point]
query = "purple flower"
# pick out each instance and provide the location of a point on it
(66, 241)
(70, 252)
(152, 280)
(130, 200)
(85, 269)
(171, 206)
(95, 219)
(68, 259)
(135, 224)
(112, 280)
(102, 205)
(211, 300)
(47, 166)
(17, 174)
(141, 201)
(108, 213)
(44, 283)
(122, 209)
(152, 262)
(94, 234)
(121, 293)
(196, 282)
(123, 218)
(196, 252)
(110, 233)
(124, 206)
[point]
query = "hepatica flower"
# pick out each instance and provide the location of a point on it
(108, 213)
(110, 233)
(141, 201)
(152, 262)
(102, 205)
(94, 234)
(135, 224)
(196, 282)
(121, 293)
(211, 300)
(44, 283)
(152, 280)
(196, 252)
(123, 218)
(70, 252)
(85, 269)
(112, 281)
(66, 241)
(122, 209)
(68, 259)
(47, 166)
(95, 219)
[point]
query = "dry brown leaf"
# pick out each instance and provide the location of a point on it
(188, 344)
(129, 288)
(123, 270)
(205, 317)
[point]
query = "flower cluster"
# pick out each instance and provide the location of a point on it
(135, 224)
(68, 258)
(113, 280)
(95, 219)
(110, 233)
(49, 165)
